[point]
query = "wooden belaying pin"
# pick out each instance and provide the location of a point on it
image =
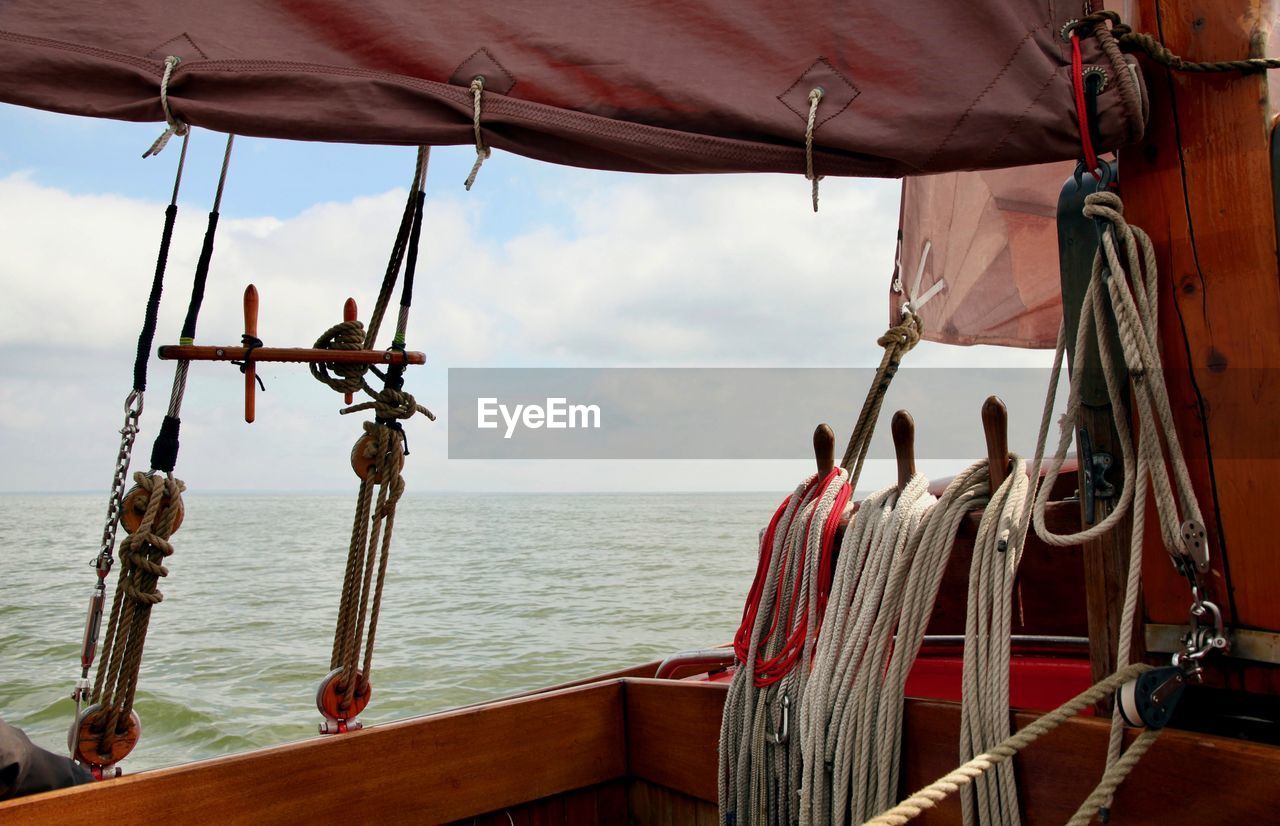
(349, 314)
(995, 424)
(903, 429)
(250, 333)
(824, 449)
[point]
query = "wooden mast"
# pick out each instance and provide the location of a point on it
(1200, 185)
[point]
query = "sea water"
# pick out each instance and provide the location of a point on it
(486, 595)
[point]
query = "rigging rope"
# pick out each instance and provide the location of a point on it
(1132, 41)
(158, 496)
(937, 791)
(377, 458)
(128, 434)
(1126, 250)
(897, 341)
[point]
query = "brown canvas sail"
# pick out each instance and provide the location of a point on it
(979, 255)
(910, 87)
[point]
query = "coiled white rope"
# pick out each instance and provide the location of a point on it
(874, 557)
(984, 707)
(758, 754)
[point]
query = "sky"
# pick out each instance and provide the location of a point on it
(536, 266)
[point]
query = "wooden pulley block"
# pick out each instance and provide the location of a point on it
(361, 461)
(85, 738)
(331, 693)
(134, 507)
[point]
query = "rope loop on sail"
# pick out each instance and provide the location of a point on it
(175, 127)
(482, 152)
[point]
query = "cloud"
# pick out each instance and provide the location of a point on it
(708, 271)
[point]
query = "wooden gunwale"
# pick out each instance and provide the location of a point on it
(466, 763)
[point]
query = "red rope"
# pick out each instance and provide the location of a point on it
(1082, 113)
(767, 672)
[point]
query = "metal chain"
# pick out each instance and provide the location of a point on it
(128, 434)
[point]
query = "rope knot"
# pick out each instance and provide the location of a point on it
(175, 127)
(482, 151)
(390, 403)
(344, 378)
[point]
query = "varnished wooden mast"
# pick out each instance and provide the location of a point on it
(1200, 184)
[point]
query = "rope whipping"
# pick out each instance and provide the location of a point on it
(378, 457)
(877, 551)
(759, 757)
(128, 434)
(159, 499)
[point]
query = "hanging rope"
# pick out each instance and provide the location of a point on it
(482, 151)
(815, 97)
(877, 552)
(141, 555)
(1124, 284)
(759, 757)
(897, 341)
(984, 707)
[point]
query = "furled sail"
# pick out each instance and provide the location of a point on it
(978, 255)
(908, 88)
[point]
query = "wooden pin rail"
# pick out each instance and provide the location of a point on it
(298, 355)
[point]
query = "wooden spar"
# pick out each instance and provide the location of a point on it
(250, 332)
(995, 427)
(903, 429)
(1200, 185)
(349, 313)
(292, 354)
(824, 449)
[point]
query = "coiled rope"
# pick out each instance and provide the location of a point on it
(984, 706)
(1123, 250)
(759, 757)
(876, 554)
